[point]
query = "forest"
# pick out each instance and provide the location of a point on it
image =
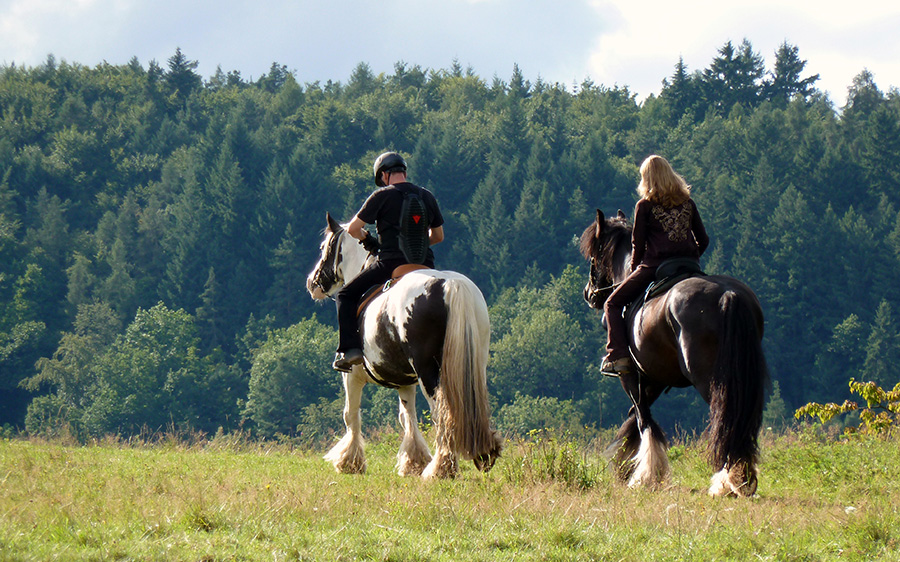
(157, 227)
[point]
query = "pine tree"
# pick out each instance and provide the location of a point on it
(882, 362)
(81, 281)
(879, 150)
(681, 91)
(210, 324)
(786, 81)
(735, 76)
(181, 78)
(288, 280)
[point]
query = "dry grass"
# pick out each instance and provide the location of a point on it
(230, 499)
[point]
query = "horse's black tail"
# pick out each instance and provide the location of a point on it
(739, 385)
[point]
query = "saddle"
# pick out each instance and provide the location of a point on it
(668, 273)
(398, 272)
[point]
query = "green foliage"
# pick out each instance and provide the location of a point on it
(290, 372)
(880, 416)
(152, 376)
(550, 456)
(130, 186)
(541, 341)
(775, 413)
(530, 413)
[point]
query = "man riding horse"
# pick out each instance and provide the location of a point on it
(384, 208)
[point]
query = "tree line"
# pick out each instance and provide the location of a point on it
(156, 229)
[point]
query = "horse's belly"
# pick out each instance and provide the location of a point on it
(403, 328)
(387, 354)
(658, 356)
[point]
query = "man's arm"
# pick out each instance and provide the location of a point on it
(356, 228)
(435, 235)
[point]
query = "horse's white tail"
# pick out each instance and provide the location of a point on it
(462, 396)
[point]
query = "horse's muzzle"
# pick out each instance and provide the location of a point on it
(315, 291)
(593, 297)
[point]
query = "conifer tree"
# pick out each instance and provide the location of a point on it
(786, 81)
(181, 78)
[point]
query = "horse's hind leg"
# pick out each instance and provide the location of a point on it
(740, 479)
(444, 464)
(414, 455)
(348, 454)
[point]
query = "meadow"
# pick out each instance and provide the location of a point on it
(548, 498)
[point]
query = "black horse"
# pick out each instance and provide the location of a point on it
(705, 332)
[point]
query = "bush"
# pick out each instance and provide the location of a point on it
(534, 413)
(51, 416)
(290, 371)
(880, 417)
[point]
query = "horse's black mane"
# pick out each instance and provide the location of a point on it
(615, 236)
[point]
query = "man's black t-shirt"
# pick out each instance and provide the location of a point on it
(383, 209)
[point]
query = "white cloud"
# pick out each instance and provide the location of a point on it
(612, 42)
(835, 39)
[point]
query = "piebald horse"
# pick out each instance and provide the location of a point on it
(705, 332)
(431, 329)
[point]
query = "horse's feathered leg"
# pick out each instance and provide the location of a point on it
(348, 454)
(444, 463)
(624, 448)
(642, 458)
(414, 455)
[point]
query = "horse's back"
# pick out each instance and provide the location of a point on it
(703, 295)
(407, 323)
(677, 335)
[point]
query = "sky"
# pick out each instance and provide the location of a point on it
(631, 43)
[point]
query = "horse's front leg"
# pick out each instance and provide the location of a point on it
(414, 455)
(649, 465)
(348, 455)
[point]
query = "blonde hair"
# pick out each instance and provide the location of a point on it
(661, 184)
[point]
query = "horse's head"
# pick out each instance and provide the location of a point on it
(607, 244)
(342, 259)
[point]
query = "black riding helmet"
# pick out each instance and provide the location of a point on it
(388, 162)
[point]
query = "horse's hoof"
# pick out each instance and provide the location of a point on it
(738, 481)
(445, 467)
(485, 463)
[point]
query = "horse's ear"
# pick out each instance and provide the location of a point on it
(601, 221)
(333, 225)
(621, 215)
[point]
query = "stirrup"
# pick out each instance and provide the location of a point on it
(617, 368)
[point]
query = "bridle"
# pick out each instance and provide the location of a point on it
(329, 274)
(601, 290)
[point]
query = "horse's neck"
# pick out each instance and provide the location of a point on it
(625, 264)
(355, 258)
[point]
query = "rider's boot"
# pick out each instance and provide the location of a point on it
(345, 360)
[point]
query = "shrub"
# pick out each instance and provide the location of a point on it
(881, 415)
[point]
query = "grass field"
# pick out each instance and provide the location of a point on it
(547, 499)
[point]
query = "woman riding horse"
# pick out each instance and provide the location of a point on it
(666, 225)
(705, 331)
